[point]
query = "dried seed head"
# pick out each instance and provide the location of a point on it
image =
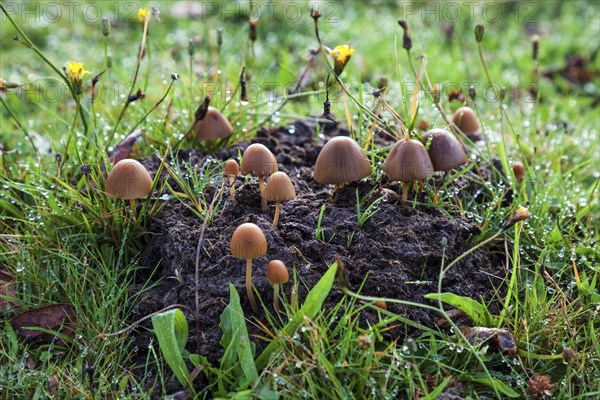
(472, 92)
(568, 354)
(253, 24)
(219, 38)
(479, 31)
(364, 341)
(535, 44)
(519, 171)
(105, 26)
(191, 47)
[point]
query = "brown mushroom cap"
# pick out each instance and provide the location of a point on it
(248, 241)
(279, 187)
(259, 160)
(445, 151)
(466, 120)
(408, 161)
(277, 272)
(214, 125)
(341, 161)
(128, 180)
(231, 168)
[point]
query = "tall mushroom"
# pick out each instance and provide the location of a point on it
(213, 126)
(279, 188)
(408, 161)
(277, 274)
(231, 170)
(259, 160)
(466, 120)
(341, 161)
(445, 151)
(248, 242)
(128, 180)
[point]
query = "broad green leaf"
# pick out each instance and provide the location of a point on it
(236, 342)
(475, 310)
(310, 308)
(171, 330)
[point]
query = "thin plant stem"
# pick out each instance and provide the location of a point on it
(135, 76)
(45, 59)
(249, 285)
(71, 133)
(27, 135)
(158, 103)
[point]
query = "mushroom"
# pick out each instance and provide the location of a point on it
(408, 161)
(279, 188)
(445, 151)
(248, 242)
(259, 160)
(341, 161)
(128, 180)
(231, 170)
(277, 274)
(466, 120)
(213, 126)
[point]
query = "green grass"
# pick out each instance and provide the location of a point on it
(64, 243)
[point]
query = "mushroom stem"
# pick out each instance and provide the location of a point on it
(249, 284)
(133, 211)
(232, 187)
(276, 219)
(336, 186)
(261, 185)
(276, 296)
(405, 187)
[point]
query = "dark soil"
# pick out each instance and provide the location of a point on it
(398, 252)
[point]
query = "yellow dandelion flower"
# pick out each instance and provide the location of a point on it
(341, 55)
(75, 73)
(143, 15)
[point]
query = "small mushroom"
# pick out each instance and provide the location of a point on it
(231, 170)
(408, 161)
(259, 160)
(445, 151)
(277, 274)
(128, 180)
(466, 120)
(213, 126)
(279, 188)
(248, 242)
(341, 161)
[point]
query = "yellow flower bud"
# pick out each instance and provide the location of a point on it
(143, 15)
(341, 55)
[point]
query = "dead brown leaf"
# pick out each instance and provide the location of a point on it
(57, 317)
(7, 292)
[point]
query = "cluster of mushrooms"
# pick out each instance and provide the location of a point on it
(341, 161)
